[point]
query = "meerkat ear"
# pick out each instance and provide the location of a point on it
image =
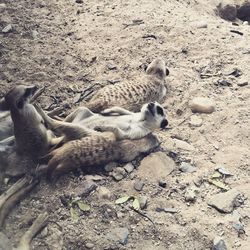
(3, 105)
(167, 71)
(29, 90)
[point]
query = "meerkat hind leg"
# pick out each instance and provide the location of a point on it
(78, 115)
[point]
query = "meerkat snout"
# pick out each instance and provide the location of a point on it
(158, 68)
(164, 123)
(17, 97)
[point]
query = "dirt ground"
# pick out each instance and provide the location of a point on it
(69, 46)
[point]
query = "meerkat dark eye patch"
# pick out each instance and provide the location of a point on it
(20, 104)
(159, 111)
(151, 106)
(167, 71)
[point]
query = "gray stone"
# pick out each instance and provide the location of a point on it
(219, 244)
(5, 243)
(227, 10)
(156, 167)
(7, 28)
(202, 105)
(143, 200)
(111, 66)
(119, 235)
(195, 121)
(225, 202)
(118, 173)
(86, 188)
(138, 185)
(187, 168)
(89, 245)
(129, 167)
(110, 166)
(242, 84)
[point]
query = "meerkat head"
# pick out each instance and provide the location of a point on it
(19, 95)
(154, 115)
(158, 68)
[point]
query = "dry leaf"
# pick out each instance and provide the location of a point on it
(83, 206)
(122, 200)
(74, 214)
(136, 204)
(219, 184)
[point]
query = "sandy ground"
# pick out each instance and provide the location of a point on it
(67, 46)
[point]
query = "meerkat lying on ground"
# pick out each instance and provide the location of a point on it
(123, 123)
(132, 95)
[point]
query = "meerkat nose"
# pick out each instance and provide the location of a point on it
(164, 123)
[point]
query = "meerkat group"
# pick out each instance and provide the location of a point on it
(116, 125)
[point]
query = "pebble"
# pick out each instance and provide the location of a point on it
(183, 145)
(138, 185)
(111, 66)
(245, 23)
(89, 245)
(79, 1)
(104, 193)
(225, 202)
(110, 166)
(118, 173)
(129, 167)
(119, 234)
(86, 188)
(187, 168)
(201, 25)
(7, 29)
(162, 184)
(143, 200)
(219, 244)
(202, 105)
(2, 6)
(195, 121)
(190, 195)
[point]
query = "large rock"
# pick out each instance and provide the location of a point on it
(227, 10)
(202, 105)
(225, 202)
(219, 244)
(156, 166)
(119, 234)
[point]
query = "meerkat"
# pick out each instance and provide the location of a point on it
(96, 149)
(32, 138)
(6, 126)
(132, 95)
(123, 123)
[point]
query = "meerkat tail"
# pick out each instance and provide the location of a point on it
(157, 68)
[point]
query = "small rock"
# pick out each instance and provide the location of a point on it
(129, 167)
(239, 227)
(183, 145)
(195, 121)
(219, 244)
(227, 11)
(34, 34)
(110, 166)
(242, 84)
(138, 185)
(245, 23)
(86, 188)
(157, 163)
(225, 202)
(223, 171)
(162, 184)
(202, 105)
(190, 195)
(118, 173)
(7, 29)
(89, 245)
(201, 25)
(143, 202)
(224, 82)
(79, 1)
(119, 234)
(104, 193)
(93, 177)
(111, 66)
(2, 6)
(187, 168)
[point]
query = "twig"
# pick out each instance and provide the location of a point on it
(144, 215)
(37, 94)
(40, 222)
(15, 198)
(56, 111)
(134, 23)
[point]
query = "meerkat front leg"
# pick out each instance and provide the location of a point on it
(117, 110)
(78, 115)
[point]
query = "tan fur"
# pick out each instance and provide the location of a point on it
(97, 149)
(31, 136)
(132, 95)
